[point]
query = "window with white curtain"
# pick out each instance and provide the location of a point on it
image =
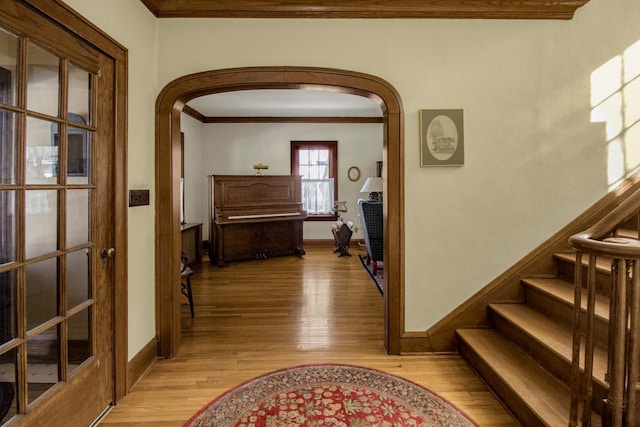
(316, 162)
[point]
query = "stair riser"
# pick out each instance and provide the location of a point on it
(558, 366)
(563, 312)
(566, 270)
(512, 401)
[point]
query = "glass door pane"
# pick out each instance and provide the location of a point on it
(43, 86)
(42, 152)
(7, 226)
(77, 278)
(41, 292)
(8, 385)
(8, 147)
(78, 152)
(46, 237)
(41, 232)
(8, 306)
(8, 67)
(43, 363)
(79, 344)
(79, 95)
(78, 208)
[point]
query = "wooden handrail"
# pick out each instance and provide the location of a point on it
(606, 225)
(624, 319)
(615, 247)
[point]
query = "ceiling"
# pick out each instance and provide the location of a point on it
(285, 103)
(494, 9)
(308, 103)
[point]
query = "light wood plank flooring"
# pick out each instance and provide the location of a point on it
(254, 317)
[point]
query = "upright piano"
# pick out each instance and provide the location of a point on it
(255, 216)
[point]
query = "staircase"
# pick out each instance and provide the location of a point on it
(525, 356)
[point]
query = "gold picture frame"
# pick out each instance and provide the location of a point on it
(441, 138)
(353, 173)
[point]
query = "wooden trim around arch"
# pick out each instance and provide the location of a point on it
(169, 106)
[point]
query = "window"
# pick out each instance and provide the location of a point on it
(317, 162)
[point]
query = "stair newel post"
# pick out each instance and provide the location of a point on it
(575, 356)
(587, 378)
(634, 346)
(614, 406)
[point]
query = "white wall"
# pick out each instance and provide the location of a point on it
(233, 149)
(533, 159)
(133, 26)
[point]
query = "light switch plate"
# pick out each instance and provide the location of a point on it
(138, 198)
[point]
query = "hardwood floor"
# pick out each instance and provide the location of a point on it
(254, 317)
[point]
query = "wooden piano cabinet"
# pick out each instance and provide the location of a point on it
(258, 240)
(255, 216)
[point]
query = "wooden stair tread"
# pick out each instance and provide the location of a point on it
(526, 357)
(603, 265)
(563, 291)
(545, 395)
(555, 336)
(628, 233)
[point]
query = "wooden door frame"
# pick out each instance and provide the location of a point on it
(72, 21)
(169, 105)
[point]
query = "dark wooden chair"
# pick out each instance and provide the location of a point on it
(185, 280)
(372, 230)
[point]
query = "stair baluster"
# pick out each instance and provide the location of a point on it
(575, 365)
(633, 417)
(624, 321)
(582, 386)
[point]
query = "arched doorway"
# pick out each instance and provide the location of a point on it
(169, 106)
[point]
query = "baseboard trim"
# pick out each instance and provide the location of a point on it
(415, 342)
(141, 362)
(319, 242)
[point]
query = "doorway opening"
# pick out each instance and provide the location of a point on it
(169, 107)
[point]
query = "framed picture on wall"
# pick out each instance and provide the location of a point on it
(441, 138)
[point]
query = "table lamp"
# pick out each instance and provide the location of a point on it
(373, 186)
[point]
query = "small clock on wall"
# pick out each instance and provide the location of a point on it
(354, 173)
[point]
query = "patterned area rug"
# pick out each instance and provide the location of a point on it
(377, 278)
(329, 395)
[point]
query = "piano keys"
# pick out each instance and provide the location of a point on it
(255, 216)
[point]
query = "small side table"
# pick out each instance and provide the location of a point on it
(191, 237)
(342, 238)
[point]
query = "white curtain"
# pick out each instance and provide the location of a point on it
(317, 196)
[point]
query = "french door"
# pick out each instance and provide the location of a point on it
(56, 222)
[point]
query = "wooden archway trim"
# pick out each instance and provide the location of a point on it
(169, 106)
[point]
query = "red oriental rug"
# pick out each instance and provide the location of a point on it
(329, 395)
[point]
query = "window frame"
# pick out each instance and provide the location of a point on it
(332, 146)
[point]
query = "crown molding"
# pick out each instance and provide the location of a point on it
(417, 9)
(228, 119)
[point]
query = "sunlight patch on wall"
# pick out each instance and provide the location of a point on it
(615, 101)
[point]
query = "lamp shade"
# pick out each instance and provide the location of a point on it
(372, 185)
